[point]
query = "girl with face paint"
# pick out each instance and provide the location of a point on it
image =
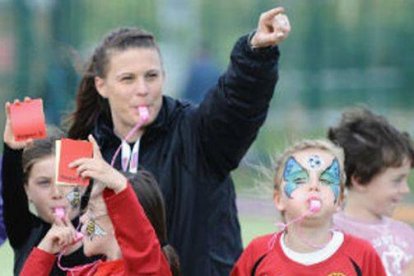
(308, 189)
(28, 173)
(115, 226)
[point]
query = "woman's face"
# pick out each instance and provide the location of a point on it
(134, 78)
(44, 194)
(309, 175)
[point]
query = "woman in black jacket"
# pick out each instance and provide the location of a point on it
(191, 150)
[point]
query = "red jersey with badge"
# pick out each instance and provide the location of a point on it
(353, 257)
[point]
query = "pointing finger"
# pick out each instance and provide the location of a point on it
(269, 15)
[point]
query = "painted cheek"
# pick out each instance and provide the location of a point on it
(94, 230)
(335, 189)
(292, 172)
(73, 197)
(332, 176)
(289, 188)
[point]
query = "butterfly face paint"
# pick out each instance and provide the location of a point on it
(332, 177)
(294, 175)
(74, 198)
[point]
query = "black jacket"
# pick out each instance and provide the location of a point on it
(192, 150)
(25, 230)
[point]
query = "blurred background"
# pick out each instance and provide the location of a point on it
(339, 54)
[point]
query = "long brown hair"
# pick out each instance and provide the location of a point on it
(89, 104)
(152, 201)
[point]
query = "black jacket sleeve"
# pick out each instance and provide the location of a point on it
(229, 118)
(17, 217)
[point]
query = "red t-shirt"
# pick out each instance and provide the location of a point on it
(353, 257)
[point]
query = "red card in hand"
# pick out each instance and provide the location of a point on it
(28, 120)
(67, 151)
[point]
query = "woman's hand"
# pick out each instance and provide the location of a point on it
(273, 27)
(8, 136)
(98, 169)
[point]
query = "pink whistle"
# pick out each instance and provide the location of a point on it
(59, 212)
(79, 236)
(314, 205)
(143, 113)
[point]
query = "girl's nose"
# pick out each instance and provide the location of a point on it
(55, 191)
(314, 184)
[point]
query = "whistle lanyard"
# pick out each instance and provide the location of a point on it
(129, 159)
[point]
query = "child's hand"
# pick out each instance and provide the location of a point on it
(8, 136)
(59, 236)
(98, 169)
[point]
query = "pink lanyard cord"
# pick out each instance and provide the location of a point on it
(143, 117)
(77, 268)
(314, 207)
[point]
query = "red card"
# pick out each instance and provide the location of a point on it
(67, 151)
(28, 120)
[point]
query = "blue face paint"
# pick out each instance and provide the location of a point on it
(294, 174)
(332, 177)
(315, 162)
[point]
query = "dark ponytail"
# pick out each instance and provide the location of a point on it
(89, 104)
(152, 201)
(173, 259)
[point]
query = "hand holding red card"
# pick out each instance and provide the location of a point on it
(28, 120)
(67, 151)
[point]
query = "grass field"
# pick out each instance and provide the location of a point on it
(6, 260)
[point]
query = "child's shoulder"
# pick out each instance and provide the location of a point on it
(264, 242)
(400, 229)
(351, 239)
(351, 242)
(399, 224)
